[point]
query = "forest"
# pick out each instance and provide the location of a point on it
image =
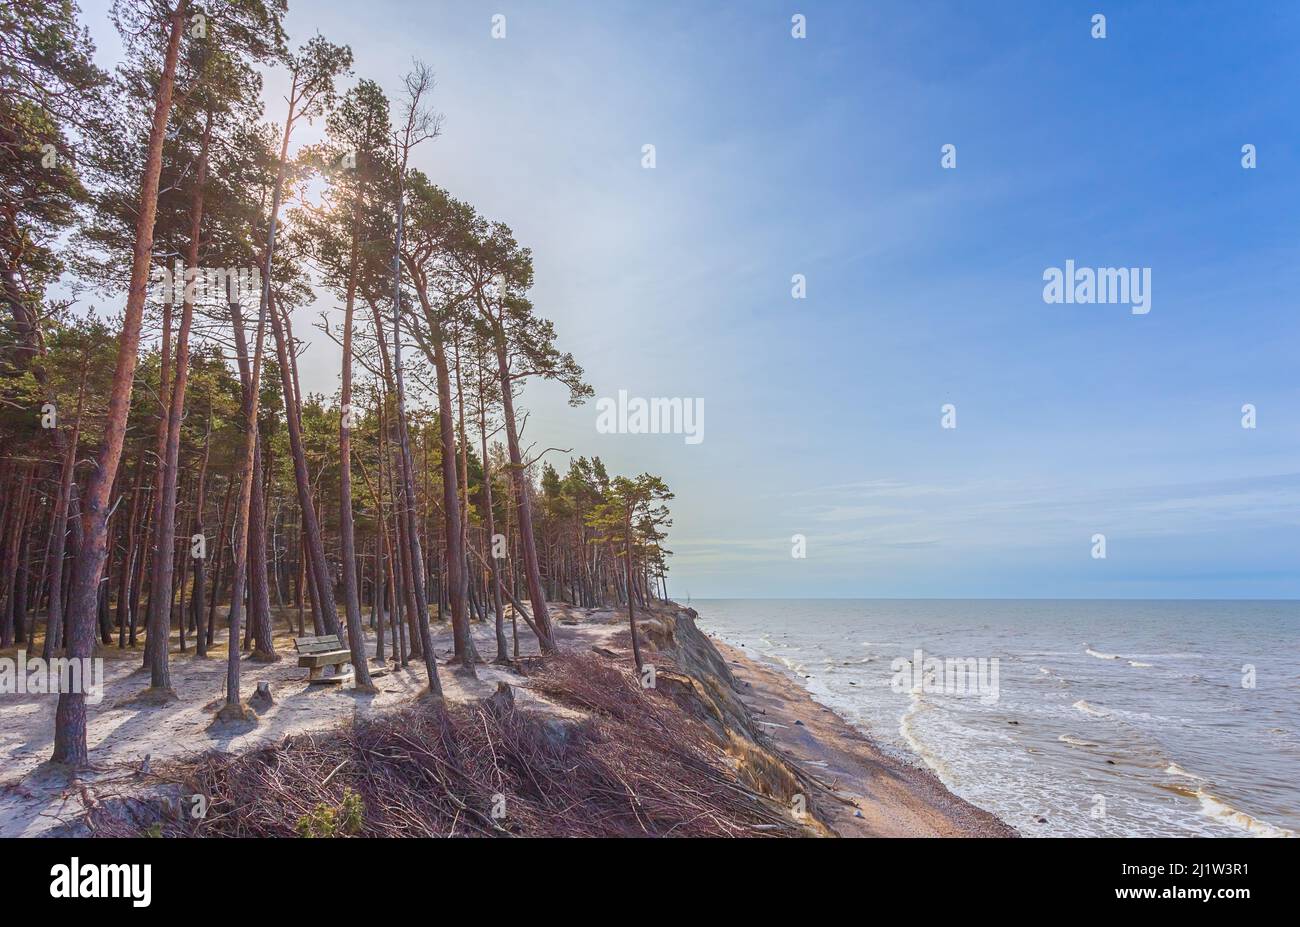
(166, 484)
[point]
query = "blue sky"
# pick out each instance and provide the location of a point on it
(821, 156)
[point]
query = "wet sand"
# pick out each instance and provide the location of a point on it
(867, 792)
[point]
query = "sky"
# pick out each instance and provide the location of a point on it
(821, 156)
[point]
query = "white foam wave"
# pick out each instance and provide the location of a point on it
(907, 728)
(1090, 709)
(1076, 741)
(1214, 807)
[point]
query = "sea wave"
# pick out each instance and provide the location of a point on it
(907, 728)
(793, 666)
(1090, 709)
(1217, 809)
(1076, 741)
(1148, 719)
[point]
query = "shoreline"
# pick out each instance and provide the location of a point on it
(783, 744)
(870, 793)
(1154, 793)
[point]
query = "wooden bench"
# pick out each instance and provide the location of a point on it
(319, 652)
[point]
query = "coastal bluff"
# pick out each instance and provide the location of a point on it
(704, 742)
(786, 746)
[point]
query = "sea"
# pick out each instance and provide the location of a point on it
(1062, 717)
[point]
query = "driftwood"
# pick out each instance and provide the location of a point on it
(633, 765)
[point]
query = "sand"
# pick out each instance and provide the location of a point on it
(121, 733)
(867, 792)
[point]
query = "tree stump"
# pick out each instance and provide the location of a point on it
(262, 699)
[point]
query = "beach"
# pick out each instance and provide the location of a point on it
(792, 751)
(871, 793)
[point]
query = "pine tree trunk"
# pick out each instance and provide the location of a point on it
(137, 574)
(413, 557)
(259, 618)
(631, 609)
(347, 538)
(197, 604)
(160, 595)
(247, 476)
(219, 568)
(13, 552)
(70, 716)
(128, 555)
(22, 575)
(532, 571)
(317, 565)
(503, 655)
(59, 539)
(465, 648)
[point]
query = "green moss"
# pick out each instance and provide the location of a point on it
(327, 821)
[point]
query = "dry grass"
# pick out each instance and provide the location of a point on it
(635, 765)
